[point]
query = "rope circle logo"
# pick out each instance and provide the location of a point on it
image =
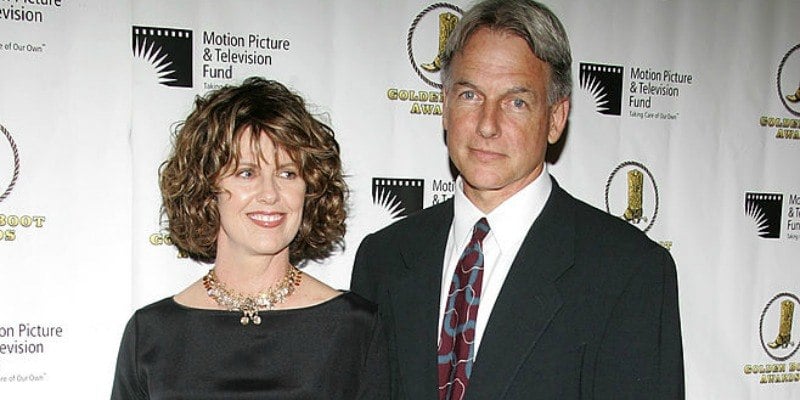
(629, 200)
(778, 313)
(446, 23)
(789, 80)
(11, 154)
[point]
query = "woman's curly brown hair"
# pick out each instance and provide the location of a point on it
(206, 147)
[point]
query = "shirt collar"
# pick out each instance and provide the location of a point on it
(510, 221)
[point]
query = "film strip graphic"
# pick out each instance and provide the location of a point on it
(168, 50)
(399, 196)
(604, 83)
(15, 156)
(765, 209)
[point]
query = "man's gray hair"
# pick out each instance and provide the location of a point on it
(531, 21)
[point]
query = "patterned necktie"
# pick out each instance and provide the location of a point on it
(457, 341)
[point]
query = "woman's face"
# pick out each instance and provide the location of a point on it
(260, 203)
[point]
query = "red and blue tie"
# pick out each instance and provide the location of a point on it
(457, 340)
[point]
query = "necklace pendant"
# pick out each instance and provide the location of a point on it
(251, 305)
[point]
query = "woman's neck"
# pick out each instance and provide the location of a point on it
(251, 274)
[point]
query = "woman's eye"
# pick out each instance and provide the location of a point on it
(288, 174)
(245, 173)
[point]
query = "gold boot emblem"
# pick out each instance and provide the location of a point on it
(447, 22)
(634, 211)
(794, 98)
(785, 328)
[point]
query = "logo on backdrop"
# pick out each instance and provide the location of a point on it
(168, 51)
(435, 23)
(9, 173)
(425, 44)
(162, 238)
(649, 93)
(787, 127)
(604, 84)
(9, 156)
(765, 209)
(775, 327)
(399, 197)
(631, 196)
(789, 80)
(224, 54)
(396, 198)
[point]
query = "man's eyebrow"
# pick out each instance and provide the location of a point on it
(465, 83)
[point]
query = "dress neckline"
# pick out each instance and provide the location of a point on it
(341, 294)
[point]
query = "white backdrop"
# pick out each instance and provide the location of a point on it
(691, 94)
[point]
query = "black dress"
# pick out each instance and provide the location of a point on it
(333, 350)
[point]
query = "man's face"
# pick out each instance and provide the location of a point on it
(497, 118)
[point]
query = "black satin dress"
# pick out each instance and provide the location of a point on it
(333, 350)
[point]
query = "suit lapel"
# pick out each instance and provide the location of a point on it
(415, 302)
(528, 300)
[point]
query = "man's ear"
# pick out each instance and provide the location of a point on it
(444, 108)
(559, 112)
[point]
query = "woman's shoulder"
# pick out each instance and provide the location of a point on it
(164, 308)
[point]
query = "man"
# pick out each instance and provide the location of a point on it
(551, 298)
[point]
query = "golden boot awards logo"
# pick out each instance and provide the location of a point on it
(446, 23)
(789, 80)
(788, 85)
(10, 223)
(9, 173)
(775, 327)
(162, 238)
(633, 198)
(425, 44)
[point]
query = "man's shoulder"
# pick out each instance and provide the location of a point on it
(418, 221)
(597, 225)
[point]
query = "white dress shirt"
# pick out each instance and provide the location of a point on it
(509, 224)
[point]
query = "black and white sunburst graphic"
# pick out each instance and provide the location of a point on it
(399, 197)
(167, 51)
(603, 83)
(765, 210)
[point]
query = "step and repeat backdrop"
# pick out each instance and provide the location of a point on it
(685, 122)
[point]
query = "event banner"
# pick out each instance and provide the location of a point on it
(684, 122)
(65, 195)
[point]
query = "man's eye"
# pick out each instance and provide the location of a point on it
(518, 103)
(468, 95)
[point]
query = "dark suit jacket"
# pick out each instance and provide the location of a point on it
(589, 309)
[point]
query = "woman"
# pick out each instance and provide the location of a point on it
(254, 185)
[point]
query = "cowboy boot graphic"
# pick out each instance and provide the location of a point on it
(634, 211)
(795, 97)
(447, 22)
(785, 328)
